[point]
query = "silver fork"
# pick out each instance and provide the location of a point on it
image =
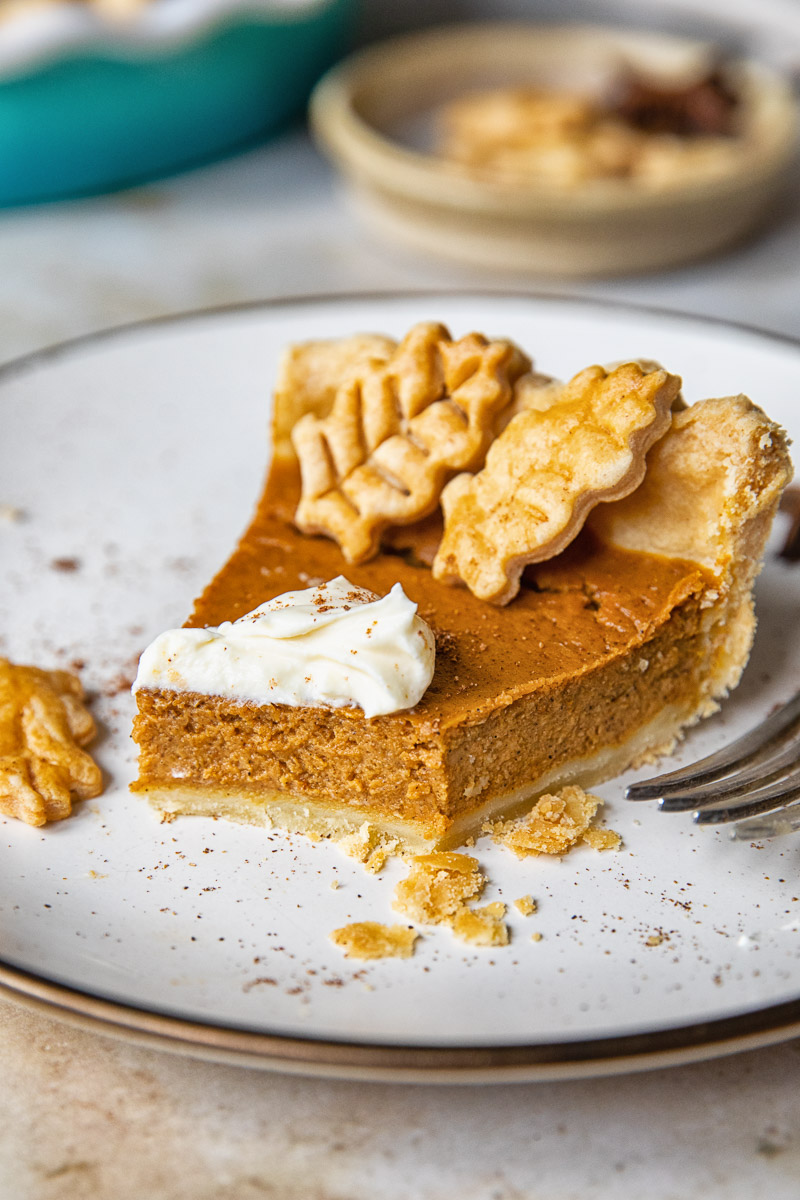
(755, 781)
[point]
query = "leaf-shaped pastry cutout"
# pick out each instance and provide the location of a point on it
(43, 723)
(546, 471)
(397, 431)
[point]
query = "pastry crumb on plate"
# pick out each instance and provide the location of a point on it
(370, 939)
(554, 825)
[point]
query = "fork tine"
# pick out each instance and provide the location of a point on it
(760, 743)
(774, 824)
(737, 795)
(683, 803)
(751, 805)
(782, 767)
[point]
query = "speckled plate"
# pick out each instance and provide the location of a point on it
(131, 464)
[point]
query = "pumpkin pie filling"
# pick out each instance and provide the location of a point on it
(605, 655)
(597, 645)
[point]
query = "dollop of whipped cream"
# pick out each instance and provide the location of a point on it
(336, 644)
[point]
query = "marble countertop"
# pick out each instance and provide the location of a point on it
(87, 1116)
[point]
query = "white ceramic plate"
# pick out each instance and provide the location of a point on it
(135, 459)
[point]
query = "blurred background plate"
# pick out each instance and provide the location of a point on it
(376, 115)
(88, 105)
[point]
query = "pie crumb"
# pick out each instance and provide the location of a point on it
(482, 926)
(526, 905)
(435, 892)
(369, 846)
(602, 839)
(554, 825)
(437, 886)
(536, 937)
(370, 939)
(334, 884)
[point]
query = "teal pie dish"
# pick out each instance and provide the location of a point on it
(87, 107)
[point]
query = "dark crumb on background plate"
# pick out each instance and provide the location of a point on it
(790, 503)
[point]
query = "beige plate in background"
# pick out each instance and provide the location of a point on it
(374, 113)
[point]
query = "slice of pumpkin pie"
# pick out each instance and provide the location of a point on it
(327, 677)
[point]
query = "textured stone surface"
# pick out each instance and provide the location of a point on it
(93, 1117)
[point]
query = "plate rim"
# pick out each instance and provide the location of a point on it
(616, 1054)
(55, 350)
(405, 1063)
